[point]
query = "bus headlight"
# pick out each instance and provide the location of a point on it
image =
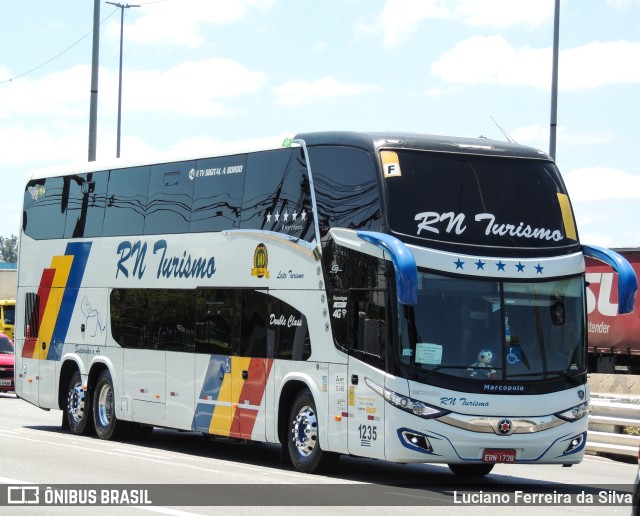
(574, 413)
(416, 407)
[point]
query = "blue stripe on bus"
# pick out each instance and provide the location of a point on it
(80, 252)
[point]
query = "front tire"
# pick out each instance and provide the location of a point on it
(471, 470)
(108, 427)
(302, 438)
(78, 408)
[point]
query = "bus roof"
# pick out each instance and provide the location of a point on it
(370, 141)
(376, 140)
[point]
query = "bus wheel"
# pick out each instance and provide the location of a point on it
(304, 447)
(104, 411)
(471, 470)
(78, 411)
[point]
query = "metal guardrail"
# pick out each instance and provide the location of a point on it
(607, 419)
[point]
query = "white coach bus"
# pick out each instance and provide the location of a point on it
(397, 296)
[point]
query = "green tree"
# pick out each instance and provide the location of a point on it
(9, 249)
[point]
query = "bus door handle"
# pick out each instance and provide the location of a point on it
(245, 375)
(44, 345)
(354, 379)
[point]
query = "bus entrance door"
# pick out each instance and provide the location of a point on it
(366, 373)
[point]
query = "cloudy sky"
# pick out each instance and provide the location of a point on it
(198, 73)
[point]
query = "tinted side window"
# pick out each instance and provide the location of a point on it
(347, 189)
(277, 195)
(217, 197)
(45, 203)
(126, 201)
(217, 325)
(287, 332)
(170, 197)
(367, 325)
(253, 330)
(87, 200)
(159, 319)
(351, 277)
(31, 315)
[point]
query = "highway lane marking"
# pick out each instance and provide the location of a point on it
(264, 471)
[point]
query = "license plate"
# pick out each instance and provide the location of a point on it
(6, 383)
(499, 456)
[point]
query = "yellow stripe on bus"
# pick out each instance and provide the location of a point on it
(62, 266)
(567, 217)
(230, 390)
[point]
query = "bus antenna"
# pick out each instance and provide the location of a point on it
(506, 135)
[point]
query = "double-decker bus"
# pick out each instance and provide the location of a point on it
(397, 296)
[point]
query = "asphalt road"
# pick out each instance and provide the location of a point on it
(185, 473)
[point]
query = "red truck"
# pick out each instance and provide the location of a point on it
(614, 339)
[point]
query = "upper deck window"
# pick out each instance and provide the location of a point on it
(478, 200)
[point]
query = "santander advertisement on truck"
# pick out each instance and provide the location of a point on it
(609, 332)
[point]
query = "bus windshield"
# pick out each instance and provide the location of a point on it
(478, 200)
(492, 330)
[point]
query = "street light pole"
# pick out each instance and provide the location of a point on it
(95, 61)
(122, 8)
(554, 82)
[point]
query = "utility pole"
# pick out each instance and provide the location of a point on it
(93, 106)
(554, 82)
(122, 8)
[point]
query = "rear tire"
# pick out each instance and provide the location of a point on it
(471, 470)
(108, 427)
(302, 437)
(78, 409)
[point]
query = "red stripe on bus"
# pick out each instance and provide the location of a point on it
(43, 294)
(251, 394)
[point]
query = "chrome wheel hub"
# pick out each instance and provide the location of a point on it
(105, 406)
(305, 431)
(76, 402)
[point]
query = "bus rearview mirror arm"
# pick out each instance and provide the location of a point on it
(403, 262)
(627, 280)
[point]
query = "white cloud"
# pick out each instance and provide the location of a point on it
(504, 13)
(182, 23)
(295, 93)
(622, 4)
(492, 60)
(538, 136)
(601, 183)
(399, 19)
(195, 88)
(58, 94)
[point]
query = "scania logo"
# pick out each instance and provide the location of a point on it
(504, 426)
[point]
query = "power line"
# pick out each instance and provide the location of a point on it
(69, 47)
(57, 55)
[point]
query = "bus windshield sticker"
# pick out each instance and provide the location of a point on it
(390, 163)
(428, 353)
(37, 192)
(215, 171)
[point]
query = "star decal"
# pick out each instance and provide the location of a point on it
(480, 265)
(520, 267)
(286, 216)
(459, 264)
(268, 217)
(539, 269)
(304, 215)
(277, 216)
(500, 265)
